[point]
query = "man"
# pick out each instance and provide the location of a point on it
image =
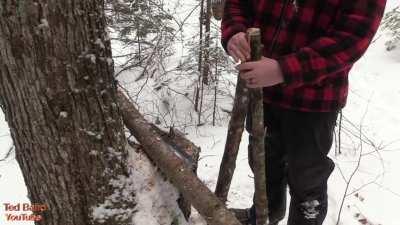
(309, 48)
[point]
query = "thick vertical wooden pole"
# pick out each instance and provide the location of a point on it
(235, 130)
(257, 132)
(234, 136)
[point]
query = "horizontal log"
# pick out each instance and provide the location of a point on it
(185, 147)
(189, 151)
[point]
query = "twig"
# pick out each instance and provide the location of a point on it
(355, 169)
(8, 154)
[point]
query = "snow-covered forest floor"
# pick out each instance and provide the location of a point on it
(370, 144)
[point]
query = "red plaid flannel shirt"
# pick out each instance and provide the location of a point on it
(318, 43)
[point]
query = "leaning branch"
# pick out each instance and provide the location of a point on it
(173, 166)
(234, 136)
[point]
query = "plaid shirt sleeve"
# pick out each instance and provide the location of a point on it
(344, 43)
(236, 19)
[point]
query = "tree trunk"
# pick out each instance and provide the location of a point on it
(206, 64)
(200, 60)
(58, 94)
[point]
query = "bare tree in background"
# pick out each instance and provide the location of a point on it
(391, 22)
(144, 28)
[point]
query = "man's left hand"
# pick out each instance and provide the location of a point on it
(265, 72)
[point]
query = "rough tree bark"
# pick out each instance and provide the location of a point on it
(58, 95)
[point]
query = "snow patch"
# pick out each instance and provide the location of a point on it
(92, 58)
(110, 61)
(43, 24)
(123, 189)
(156, 198)
(63, 114)
(100, 43)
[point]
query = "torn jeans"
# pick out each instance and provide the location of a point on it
(297, 144)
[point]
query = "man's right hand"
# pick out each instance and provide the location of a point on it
(239, 48)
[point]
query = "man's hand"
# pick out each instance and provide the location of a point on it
(238, 47)
(262, 73)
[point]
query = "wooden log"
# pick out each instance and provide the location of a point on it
(173, 166)
(258, 132)
(242, 215)
(184, 147)
(191, 154)
(234, 136)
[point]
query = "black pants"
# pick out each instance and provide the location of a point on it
(297, 144)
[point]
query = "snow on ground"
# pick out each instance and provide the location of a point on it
(12, 186)
(156, 197)
(374, 191)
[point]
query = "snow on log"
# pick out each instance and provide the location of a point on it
(171, 164)
(155, 196)
(190, 153)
